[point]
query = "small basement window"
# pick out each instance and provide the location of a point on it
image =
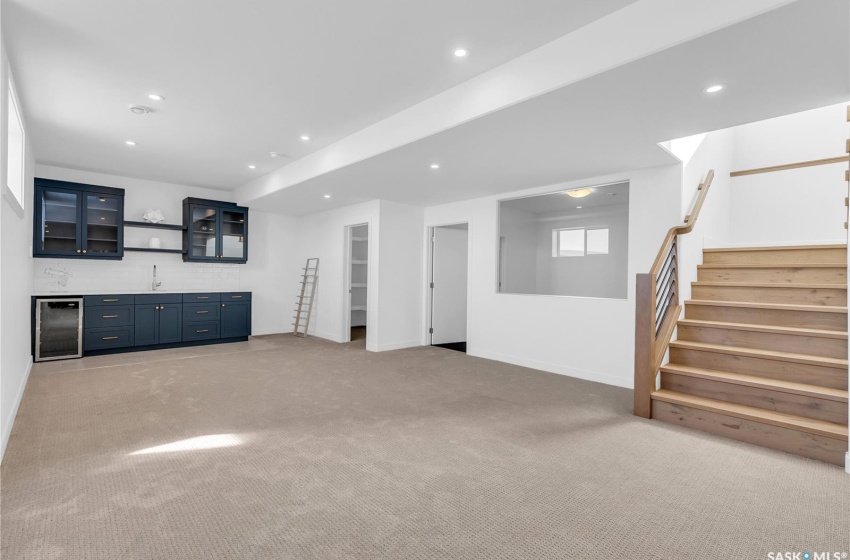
(15, 151)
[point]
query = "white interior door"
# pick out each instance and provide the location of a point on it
(449, 274)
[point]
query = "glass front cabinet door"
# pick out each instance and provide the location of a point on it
(73, 220)
(215, 231)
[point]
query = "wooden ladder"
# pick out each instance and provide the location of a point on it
(304, 301)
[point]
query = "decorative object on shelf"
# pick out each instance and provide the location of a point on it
(155, 243)
(59, 277)
(153, 216)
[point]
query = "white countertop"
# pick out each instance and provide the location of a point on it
(70, 293)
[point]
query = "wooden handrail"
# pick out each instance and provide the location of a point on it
(810, 163)
(652, 337)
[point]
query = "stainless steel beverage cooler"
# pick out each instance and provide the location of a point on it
(58, 328)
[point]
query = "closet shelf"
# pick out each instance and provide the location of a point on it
(359, 261)
(360, 239)
(358, 308)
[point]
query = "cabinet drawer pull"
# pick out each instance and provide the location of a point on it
(202, 297)
(111, 299)
(110, 316)
(201, 312)
(110, 338)
(203, 330)
(235, 297)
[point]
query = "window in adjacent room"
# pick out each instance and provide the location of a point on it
(568, 242)
(15, 143)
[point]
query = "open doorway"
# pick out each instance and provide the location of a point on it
(448, 286)
(357, 257)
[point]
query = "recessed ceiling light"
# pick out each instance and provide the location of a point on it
(327, 196)
(305, 137)
(435, 166)
(714, 89)
(130, 143)
(579, 193)
(460, 53)
(252, 167)
(578, 207)
(156, 97)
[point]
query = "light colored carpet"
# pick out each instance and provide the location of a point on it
(328, 452)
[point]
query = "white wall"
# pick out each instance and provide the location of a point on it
(15, 280)
(519, 228)
(268, 273)
(322, 235)
(799, 206)
(401, 272)
(582, 337)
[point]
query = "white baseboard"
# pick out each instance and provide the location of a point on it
(596, 376)
(387, 346)
(10, 420)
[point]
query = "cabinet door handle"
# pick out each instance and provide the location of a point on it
(161, 307)
(79, 251)
(85, 251)
(203, 330)
(222, 305)
(110, 337)
(110, 316)
(111, 299)
(201, 312)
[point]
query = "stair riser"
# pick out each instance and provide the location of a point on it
(776, 317)
(780, 275)
(779, 401)
(821, 448)
(796, 344)
(779, 294)
(783, 256)
(772, 369)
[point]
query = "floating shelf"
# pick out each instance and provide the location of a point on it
(359, 262)
(358, 285)
(358, 308)
(152, 250)
(360, 239)
(154, 226)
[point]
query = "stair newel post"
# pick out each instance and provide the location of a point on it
(644, 343)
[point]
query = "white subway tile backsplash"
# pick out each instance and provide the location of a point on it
(133, 274)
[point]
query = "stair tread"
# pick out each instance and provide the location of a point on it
(756, 381)
(758, 353)
(791, 421)
(763, 328)
(801, 285)
(758, 305)
(773, 265)
(772, 248)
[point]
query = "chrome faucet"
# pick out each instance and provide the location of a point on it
(155, 284)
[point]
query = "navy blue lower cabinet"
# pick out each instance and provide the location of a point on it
(159, 323)
(124, 323)
(235, 319)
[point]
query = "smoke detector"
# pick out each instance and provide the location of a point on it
(139, 110)
(278, 155)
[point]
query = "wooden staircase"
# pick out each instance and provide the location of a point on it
(761, 355)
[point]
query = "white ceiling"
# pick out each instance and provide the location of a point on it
(558, 203)
(242, 79)
(788, 60)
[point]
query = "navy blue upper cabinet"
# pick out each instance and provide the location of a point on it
(74, 220)
(215, 231)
